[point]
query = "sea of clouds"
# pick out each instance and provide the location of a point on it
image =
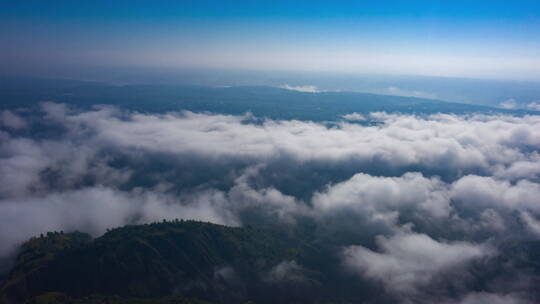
(426, 197)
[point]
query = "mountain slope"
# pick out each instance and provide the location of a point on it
(150, 261)
(187, 262)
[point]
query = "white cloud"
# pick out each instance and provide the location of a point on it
(491, 298)
(97, 208)
(408, 261)
(532, 224)
(439, 141)
(509, 104)
(379, 195)
(523, 169)
(408, 93)
(478, 192)
(286, 271)
(354, 117)
(12, 120)
(535, 105)
(304, 88)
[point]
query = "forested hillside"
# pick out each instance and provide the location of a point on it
(188, 262)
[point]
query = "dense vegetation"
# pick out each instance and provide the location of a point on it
(148, 261)
(184, 261)
(145, 261)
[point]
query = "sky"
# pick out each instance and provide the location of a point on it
(495, 39)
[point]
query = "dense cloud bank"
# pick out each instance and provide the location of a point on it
(421, 200)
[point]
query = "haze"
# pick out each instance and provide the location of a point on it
(444, 38)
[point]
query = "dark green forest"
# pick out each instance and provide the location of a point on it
(194, 262)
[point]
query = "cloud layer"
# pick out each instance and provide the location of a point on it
(416, 200)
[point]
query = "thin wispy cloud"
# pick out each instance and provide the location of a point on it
(304, 88)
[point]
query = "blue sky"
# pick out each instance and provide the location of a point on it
(486, 39)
